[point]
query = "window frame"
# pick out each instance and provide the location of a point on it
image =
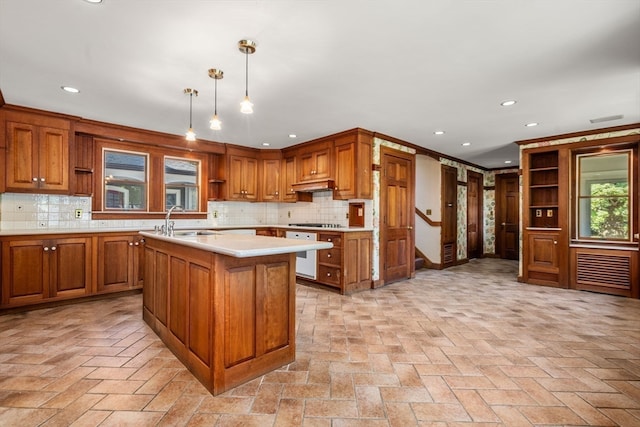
(155, 181)
(144, 183)
(632, 176)
(198, 184)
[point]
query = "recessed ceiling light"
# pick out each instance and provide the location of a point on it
(507, 161)
(69, 89)
(438, 132)
(466, 144)
(292, 135)
(508, 103)
(532, 124)
(265, 144)
(93, 1)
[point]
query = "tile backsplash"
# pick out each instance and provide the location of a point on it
(23, 211)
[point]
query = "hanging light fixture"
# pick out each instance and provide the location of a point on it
(190, 135)
(247, 47)
(215, 122)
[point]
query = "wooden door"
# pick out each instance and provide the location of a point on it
(22, 156)
(270, 182)
(25, 272)
(70, 267)
(449, 216)
(396, 207)
(345, 171)
(53, 159)
(474, 215)
(507, 216)
(115, 263)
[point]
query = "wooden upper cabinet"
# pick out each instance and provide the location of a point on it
(289, 178)
(353, 156)
(242, 174)
(270, 176)
(314, 161)
(37, 156)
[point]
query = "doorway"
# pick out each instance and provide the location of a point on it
(507, 216)
(475, 243)
(397, 204)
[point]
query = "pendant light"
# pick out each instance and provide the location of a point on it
(247, 47)
(190, 135)
(215, 122)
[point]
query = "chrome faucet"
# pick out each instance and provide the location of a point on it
(167, 228)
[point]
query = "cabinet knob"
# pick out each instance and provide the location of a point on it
(276, 193)
(136, 244)
(46, 249)
(328, 255)
(41, 179)
(328, 274)
(329, 239)
(34, 179)
(53, 248)
(130, 243)
(555, 242)
(409, 227)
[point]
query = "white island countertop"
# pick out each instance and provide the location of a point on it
(241, 245)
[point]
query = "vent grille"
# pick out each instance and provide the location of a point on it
(604, 270)
(448, 253)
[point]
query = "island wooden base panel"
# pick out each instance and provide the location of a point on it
(229, 320)
(230, 377)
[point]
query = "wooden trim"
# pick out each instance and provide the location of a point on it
(489, 187)
(428, 220)
(425, 151)
(330, 137)
(462, 183)
(427, 262)
(579, 133)
(375, 167)
(20, 109)
(2, 102)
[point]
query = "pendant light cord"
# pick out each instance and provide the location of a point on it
(246, 74)
(190, 109)
(215, 107)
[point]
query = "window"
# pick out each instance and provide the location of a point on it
(604, 195)
(181, 182)
(125, 180)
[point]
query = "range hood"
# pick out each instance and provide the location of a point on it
(312, 186)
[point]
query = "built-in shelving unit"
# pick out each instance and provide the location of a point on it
(543, 190)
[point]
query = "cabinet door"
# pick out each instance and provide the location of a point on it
(53, 159)
(543, 265)
(25, 272)
(70, 267)
(115, 263)
(270, 179)
(234, 183)
(289, 171)
(322, 164)
(22, 156)
(345, 178)
(250, 175)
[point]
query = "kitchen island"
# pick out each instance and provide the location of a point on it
(223, 304)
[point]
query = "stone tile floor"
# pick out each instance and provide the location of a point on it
(464, 346)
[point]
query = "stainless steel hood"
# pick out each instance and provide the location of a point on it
(312, 186)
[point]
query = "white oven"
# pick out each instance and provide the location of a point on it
(306, 260)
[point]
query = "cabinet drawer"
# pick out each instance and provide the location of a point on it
(336, 239)
(329, 275)
(331, 256)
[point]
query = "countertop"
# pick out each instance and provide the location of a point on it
(26, 232)
(242, 245)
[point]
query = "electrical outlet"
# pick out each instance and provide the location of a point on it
(78, 213)
(428, 211)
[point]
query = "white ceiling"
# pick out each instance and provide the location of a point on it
(405, 68)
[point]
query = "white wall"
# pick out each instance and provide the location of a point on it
(428, 189)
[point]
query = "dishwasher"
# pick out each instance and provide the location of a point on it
(306, 265)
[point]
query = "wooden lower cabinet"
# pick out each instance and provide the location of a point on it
(545, 263)
(346, 266)
(228, 319)
(119, 262)
(36, 270)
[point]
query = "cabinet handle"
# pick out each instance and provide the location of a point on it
(555, 242)
(34, 179)
(130, 243)
(276, 193)
(328, 255)
(409, 227)
(46, 249)
(53, 248)
(329, 239)
(41, 179)
(328, 274)
(142, 241)
(136, 244)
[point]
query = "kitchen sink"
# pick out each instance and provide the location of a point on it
(182, 233)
